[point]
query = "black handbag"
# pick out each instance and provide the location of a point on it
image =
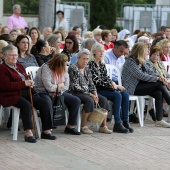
(59, 110)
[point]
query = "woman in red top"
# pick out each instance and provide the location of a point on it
(106, 39)
(14, 91)
(165, 46)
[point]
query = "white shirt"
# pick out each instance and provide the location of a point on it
(63, 23)
(110, 58)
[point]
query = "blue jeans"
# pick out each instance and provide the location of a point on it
(119, 99)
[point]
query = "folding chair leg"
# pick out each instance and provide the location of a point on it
(132, 106)
(141, 103)
(37, 123)
(1, 112)
(79, 120)
(15, 122)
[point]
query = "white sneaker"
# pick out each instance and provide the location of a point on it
(162, 123)
(105, 130)
(86, 130)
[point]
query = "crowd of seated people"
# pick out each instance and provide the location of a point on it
(74, 62)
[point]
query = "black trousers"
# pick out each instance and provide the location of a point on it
(40, 104)
(88, 102)
(156, 90)
(73, 105)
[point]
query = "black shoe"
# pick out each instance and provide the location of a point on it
(71, 131)
(30, 139)
(152, 114)
(127, 126)
(48, 136)
(118, 127)
(133, 118)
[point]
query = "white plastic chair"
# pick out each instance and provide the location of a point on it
(32, 70)
(167, 66)
(1, 113)
(132, 98)
(15, 122)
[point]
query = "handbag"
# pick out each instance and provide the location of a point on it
(59, 110)
(97, 115)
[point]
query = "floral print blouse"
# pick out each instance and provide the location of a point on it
(80, 83)
(99, 75)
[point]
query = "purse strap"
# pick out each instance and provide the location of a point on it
(97, 105)
(55, 82)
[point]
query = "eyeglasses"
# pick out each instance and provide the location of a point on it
(69, 42)
(13, 55)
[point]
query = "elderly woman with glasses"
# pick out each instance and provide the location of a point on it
(15, 91)
(82, 86)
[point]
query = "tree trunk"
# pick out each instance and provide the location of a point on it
(46, 14)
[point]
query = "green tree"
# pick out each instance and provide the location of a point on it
(103, 12)
(28, 7)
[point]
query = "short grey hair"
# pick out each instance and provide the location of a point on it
(52, 39)
(83, 51)
(62, 29)
(15, 6)
(87, 41)
(142, 38)
(9, 48)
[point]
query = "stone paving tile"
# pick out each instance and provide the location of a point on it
(146, 149)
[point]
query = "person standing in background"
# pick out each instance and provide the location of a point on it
(61, 22)
(15, 20)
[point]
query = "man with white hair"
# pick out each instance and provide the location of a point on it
(46, 33)
(145, 40)
(15, 20)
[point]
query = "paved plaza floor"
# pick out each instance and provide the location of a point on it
(148, 148)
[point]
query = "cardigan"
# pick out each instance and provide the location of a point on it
(45, 83)
(132, 74)
(99, 75)
(80, 83)
(11, 84)
(154, 68)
